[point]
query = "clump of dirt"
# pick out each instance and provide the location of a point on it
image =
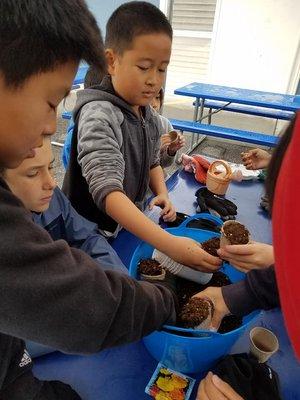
(211, 246)
(194, 312)
(150, 267)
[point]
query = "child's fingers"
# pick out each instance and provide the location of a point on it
(237, 249)
(201, 394)
(153, 202)
(225, 389)
(241, 266)
(170, 216)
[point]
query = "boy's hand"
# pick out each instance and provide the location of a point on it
(168, 212)
(256, 159)
(178, 144)
(188, 252)
(214, 388)
(165, 140)
(245, 257)
(220, 307)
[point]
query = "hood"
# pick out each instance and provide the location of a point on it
(106, 92)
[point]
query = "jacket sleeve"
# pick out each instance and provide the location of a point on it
(58, 296)
(84, 235)
(258, 291)
(165, 159)
(99, 150)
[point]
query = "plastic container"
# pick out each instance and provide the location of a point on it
(189, 350)
(180, 269)
(217, 182)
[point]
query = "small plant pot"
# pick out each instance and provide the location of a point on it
(152, 278)
(241, 236)
(151, 270)
(217, 182)
(197, 313)
(173, 136)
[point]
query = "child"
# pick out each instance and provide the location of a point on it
(52, 293)
(116, 141)
(32, 182)
(168, 147)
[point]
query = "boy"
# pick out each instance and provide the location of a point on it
(44, 283)
(116, 141)
(32, 182)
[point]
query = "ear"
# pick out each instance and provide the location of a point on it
(111, 58)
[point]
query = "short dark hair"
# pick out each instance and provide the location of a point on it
(38, 35)
(93, 76)
(133, 19)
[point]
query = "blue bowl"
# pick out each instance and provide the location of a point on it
(200, 351)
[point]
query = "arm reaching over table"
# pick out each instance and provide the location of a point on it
(257, 291)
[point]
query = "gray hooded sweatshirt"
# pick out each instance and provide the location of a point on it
(115, 148)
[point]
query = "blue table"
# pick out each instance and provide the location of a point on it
(122, 373)
(249, 97)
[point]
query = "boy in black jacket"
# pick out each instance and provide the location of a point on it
(50, 293)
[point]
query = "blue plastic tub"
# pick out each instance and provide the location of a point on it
(200, 352)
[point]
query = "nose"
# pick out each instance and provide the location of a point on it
(152, 78)
(49, 182)
(50, 127)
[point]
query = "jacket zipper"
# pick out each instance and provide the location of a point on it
(143, 125)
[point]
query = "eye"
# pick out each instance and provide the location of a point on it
(32, 174)
(52, 106)
(162, 70)
(142, 68)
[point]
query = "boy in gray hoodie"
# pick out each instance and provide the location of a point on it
(116, 142)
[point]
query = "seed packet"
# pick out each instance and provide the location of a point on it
(166, 384)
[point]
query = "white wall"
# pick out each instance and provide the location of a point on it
(256, 45)
(102, 9)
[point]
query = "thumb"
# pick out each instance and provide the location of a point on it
(216, 320)
(152, 203)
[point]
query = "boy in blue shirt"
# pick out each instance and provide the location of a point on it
(32, 182)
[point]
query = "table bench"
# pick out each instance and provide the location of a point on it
(250, 110)
(259, 139)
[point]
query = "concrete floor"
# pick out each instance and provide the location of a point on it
(183, 109)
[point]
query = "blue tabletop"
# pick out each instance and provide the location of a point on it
(123, 372)
(241, 96)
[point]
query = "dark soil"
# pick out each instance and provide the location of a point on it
(150, 267)
(194, 312)
(229, 323)
(236, 233)
(211, 246)
(186, 289)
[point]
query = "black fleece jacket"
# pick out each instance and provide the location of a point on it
(58, 296)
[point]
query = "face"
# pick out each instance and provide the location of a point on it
(155, 103)
(32, 181)
(29, 112)
(139, 73)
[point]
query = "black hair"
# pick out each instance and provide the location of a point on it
(93, 76)
(38, 35)
(161, 95)
(133, 19)
(276, 161)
